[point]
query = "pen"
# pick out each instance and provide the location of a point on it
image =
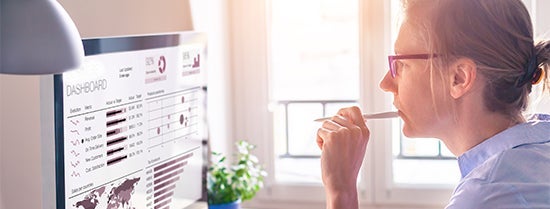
(368, 116)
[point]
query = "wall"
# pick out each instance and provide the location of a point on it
(100, 18)
(211, 16)
(1, 131)
(20, 137)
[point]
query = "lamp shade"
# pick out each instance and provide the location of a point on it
(38, 37)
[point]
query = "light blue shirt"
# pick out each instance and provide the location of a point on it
(508, 170)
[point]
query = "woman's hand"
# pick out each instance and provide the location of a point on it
(343, 141)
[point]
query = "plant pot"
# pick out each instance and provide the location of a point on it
(232, 205)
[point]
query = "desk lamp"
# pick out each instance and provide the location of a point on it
(37, 37)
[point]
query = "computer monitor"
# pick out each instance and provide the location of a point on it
(129, 124)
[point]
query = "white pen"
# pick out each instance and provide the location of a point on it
(369, 116)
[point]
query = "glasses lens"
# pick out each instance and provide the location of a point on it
(393, 68)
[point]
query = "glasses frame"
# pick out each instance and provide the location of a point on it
(393, 58)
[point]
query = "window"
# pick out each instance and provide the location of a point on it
(541, 24)
(314, 71)
(314, 51)
(285, 54)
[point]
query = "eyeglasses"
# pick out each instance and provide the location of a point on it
(393, 58)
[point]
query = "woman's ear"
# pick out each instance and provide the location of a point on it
(463, 76)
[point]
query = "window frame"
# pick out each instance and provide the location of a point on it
(253, 121)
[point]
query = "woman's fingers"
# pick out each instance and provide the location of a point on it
(356, 117)
(354, 114)
(321, 134)
(331, 127)
(343, 140)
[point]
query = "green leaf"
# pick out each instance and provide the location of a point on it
(239, 180)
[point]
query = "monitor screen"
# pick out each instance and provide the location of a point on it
(130, 124)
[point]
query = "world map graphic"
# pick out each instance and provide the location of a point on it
(119, 197)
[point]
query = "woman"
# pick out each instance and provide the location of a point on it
(462, 73)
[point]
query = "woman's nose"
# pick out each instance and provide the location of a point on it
(388, 83)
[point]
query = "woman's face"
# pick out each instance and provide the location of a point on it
(420, 105)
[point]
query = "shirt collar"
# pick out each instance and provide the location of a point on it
(533, 131)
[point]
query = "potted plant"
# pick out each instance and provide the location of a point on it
(228, 185)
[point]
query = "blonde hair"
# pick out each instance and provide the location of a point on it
(497, 35)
